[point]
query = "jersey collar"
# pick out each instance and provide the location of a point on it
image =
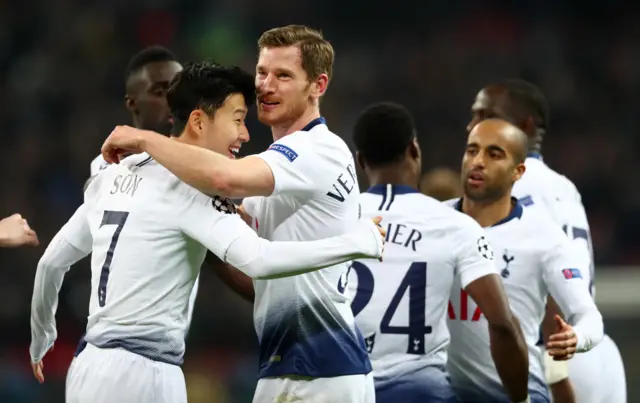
(315, 122)
(381, 189)
(535, 155)
(516, 211)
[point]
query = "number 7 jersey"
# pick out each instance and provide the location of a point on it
(401, 303)
(148, 233)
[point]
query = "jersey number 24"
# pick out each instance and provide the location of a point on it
(416, 282)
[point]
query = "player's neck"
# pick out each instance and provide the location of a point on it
(535, 149)
(279, 131)
(392, 176)
(488, 214)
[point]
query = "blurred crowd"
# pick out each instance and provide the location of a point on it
(62, 68)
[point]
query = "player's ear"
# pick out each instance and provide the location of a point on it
(414, 149)
(130, 104)
(519, 171)
(320, 85)
(195, 122)
(360, 160)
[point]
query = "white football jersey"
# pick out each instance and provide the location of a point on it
(544, 189)
(98, 164)
(401, 303)
(534, 258)
(148, 233)
(304, 323)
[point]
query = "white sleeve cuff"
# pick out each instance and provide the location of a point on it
(554, 371)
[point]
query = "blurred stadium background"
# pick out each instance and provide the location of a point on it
(61, 92)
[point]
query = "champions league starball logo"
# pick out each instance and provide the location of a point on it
(485, 248)
(223, 205)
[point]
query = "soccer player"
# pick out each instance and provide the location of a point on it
(147, 79)
(541, 188)
(309, 344)
(536, 259)
(401, 304)
(146, 82)
(149, 233)
(441, 183)
(15, 231)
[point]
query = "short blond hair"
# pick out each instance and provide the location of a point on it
(316, 52)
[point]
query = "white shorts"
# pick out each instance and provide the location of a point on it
(598, 375)
(340, 389)
(116, 375)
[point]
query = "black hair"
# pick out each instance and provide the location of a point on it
(206, 86)
(529, 99)
(383, 132)
(148, 55)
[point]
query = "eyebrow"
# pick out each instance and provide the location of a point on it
(276, 70)
(240, 110)
(494, 147)
(160, 83)
(491, 147)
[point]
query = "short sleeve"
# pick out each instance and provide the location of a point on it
(473, 254)
(566, 274)
(293, 163)
(211, 221)
(76, 231)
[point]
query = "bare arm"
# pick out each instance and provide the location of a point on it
(556, 372)
(236, 280)
(508, 348)
(478, 277)
(288, 166)
(562, 391)
(210, 172)
(548, 324)
(207, 171)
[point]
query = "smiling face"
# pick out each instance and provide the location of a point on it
(223, 133)
(493, 160)
(226, 132)
(284, 89)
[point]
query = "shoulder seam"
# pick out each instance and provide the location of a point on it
(144, 162)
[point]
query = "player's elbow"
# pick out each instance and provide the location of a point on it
(505, 326)
(250, 176)
(219, 185)
(227, 183)
(45, 265)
